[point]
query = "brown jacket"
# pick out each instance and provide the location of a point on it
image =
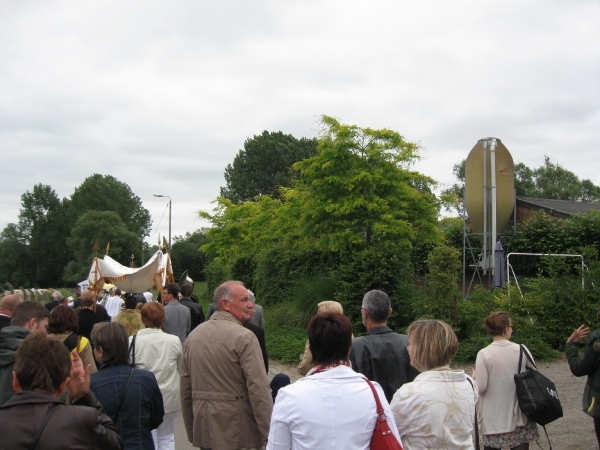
(225, 397)
(83, 425)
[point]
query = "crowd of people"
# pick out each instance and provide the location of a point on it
(117, 375)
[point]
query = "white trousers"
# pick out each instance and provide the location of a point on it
(164, 435)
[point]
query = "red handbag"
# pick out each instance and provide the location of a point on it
(383, 438)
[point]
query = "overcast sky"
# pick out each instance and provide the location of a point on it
(162, 95)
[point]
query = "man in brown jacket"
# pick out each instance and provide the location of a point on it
(225, 396)
(42, 371)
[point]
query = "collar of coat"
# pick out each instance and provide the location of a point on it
(380, 330)
(224, 315)
(30, 397)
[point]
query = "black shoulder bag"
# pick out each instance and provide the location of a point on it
(536, 394)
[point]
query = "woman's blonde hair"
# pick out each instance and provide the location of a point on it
(329, 307)
(434, 344)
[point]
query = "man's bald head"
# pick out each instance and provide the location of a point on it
(8, 304)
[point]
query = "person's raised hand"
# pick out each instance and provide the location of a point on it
(580, 333)
(79, 379)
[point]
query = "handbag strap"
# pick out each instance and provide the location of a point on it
(380, 410)
(41, 430)
(521, 358)
(132, 351)
(124, 395)
(476, 423)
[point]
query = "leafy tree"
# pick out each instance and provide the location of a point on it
(14, 257)
(358, 190)
(44, 226)
(106, 193)
(106, 226)
(186, 255)
(263, 166)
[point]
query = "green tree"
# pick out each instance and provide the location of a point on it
(106, 193)
(263, 166)
(43, 223)
(106, 226)
(14, 257)
(186, 255)
(358, 190)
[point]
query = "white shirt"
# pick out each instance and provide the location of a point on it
(332, 410)
(436, 410)
(113, 306)
(161, 354)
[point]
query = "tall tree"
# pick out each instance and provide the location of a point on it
(15, 264)
(106, 193)
(44, 227)
(106, 226)
(186, 254)
(263, 166)
(359, 190)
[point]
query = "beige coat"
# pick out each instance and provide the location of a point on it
(225, 396)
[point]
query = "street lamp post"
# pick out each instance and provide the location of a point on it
(170, 204)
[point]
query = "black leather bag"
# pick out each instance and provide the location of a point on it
(536, 394)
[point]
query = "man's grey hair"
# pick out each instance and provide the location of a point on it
(378, 304)
(251, 296)
(224, 292)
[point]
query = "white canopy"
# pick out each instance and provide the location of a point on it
(157, 271)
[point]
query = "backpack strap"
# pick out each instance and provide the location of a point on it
(132, 351)
(71, 342)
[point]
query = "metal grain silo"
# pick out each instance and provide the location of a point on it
(489, 190)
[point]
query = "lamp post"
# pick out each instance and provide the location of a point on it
(170, 203)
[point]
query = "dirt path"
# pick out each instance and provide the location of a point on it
(575, 431)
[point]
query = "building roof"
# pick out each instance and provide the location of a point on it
(557, 208)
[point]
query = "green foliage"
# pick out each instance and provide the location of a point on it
(215, 273)
(286, 332)
(186, 255)
(306, 293)
(14, 257)
(553, 181)
(358, 190)
(278, 271)
(386, 268)
(106, 193)
(106, 226)
(441, 288)
(544, 234)
(263, 166)
(243, 270)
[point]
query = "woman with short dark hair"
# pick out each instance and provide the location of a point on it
(62, 326)
(160, 353)
(130, 397)
(332, 406)
(437, 409)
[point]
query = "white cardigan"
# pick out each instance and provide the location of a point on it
(161, 354)
(333, 410)
(495, 368)
(436, 410)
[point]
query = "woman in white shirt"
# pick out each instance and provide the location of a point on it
(161, 354)
(503, 424)
(332, 407)
(436, 410)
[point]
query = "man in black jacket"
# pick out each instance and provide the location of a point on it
(259, 333)
(381, 354)
(196, 313)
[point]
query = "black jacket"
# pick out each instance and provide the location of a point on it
(381, 356)
(196, 313)
(260, 335)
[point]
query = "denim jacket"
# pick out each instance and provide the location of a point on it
(142, 409)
